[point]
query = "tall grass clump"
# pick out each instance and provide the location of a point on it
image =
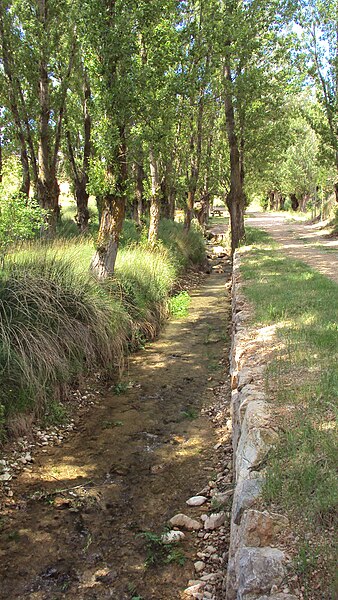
(57, 322)
(186, 248)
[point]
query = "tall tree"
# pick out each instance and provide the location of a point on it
(319, 19)
(38, 49)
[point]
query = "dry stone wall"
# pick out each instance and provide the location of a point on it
(257, 568)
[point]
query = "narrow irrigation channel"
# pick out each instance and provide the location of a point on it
(85, 520)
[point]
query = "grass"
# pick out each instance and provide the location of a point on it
(179, 305)
(301, 473)
(160, 553)
(57, 323)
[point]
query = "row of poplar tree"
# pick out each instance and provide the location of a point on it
(174, 101)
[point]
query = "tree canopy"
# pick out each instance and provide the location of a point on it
(152, 106)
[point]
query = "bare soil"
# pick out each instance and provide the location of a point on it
(72, 529)
(308, 242)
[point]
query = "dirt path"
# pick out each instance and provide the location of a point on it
(302, 241)
(135, 459)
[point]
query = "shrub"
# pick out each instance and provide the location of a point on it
(21, 218)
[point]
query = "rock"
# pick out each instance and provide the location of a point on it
(208, 577)
(193, 590)
(260, 528)
(196, 501)
(258, 569)
(205, 490)
(246, 493)
(211, 549)
(215, 520)
(5, 476)
(172, 536)
(181, 520)
(223, 497)
(256, 438)
(278, 597)
(199, 566)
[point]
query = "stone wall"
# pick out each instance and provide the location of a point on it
(257, 568)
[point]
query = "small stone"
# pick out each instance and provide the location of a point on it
(196, 501)
(181, 520)
(211, 549)
(215, 520)
(223, 497)
(192, 590)
(5, 477)
(199, 566)
(172, 536)
(208, 577)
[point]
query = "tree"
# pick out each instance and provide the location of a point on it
(319, 20)
(38, 49)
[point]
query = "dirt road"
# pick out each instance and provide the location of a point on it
(72, 529)
(303, 241)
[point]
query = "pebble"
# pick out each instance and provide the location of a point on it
(181, 520)
(215, 520)
(172, 536)
(199, 566)
(196, 501)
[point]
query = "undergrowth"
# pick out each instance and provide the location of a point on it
(303, 382)
(57, 322)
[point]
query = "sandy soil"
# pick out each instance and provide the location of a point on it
(303, 241)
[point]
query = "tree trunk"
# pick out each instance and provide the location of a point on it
(103, 262)
(155, 199)
(138, 201)
(189, 211)
(303, 202)
(235, 198)
(80, 173)
(171, 200)
(294, 202)
(26, 179)
(203, 214)
(82, 196)
(47, 186)
(0, 159)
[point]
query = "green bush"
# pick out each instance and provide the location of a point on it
(20, 219)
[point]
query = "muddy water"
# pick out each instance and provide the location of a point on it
(74, 530)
